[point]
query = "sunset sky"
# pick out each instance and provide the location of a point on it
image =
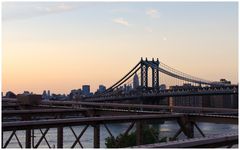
(59, 46)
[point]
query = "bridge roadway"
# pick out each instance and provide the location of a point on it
(120, 106)
(207, 142)
(199, 114)
(228, 90)
(195, 117)
(74, 104)
(51, 123)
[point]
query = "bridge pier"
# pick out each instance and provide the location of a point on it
(60, 137)
(139, 132)
(96, 136)
(28, 139)
(186, 126)
(28, 135)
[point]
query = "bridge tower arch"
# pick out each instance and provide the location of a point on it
(153, 65)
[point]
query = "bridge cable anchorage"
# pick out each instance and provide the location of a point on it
(122, 80)
(179, 76)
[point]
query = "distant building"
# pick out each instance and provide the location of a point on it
(101, 88)
(27, 93)
(59, 97)
(75, 94)
(162, 87)
(48, 94)
(10, 94)
(127, 88)
(135, 81)
(225, 81)
(44, 95)
(221, 82)
(86, 90)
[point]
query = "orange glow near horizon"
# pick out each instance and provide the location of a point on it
(63, 50)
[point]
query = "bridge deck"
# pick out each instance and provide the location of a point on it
(22, 125)
(211, 141)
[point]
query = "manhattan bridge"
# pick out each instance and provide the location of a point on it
(152, 73)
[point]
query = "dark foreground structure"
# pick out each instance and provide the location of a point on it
(67, 114)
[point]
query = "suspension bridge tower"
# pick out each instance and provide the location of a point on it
(153, 66)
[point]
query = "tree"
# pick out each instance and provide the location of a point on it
(128, 140)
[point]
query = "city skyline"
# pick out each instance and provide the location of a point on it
(62, 46)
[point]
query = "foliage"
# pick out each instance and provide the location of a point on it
(149, 136)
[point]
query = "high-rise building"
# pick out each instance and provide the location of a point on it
(101, 88)
(86, 90)
(44, 95)
(48, 94)
(135, 81)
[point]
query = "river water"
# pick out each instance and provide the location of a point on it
(169, 128)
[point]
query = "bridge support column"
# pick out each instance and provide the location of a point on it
(28, 135)
(96, 136)
(144, 74)
(28, 139)
(186, 126)
(139, 133)
(155, 75)
(60, 137)
(170, 103)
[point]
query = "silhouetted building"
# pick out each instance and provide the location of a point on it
(127, 88)
(101, 88)
(221, 82)
(162, 87)
(225, 81)
(48, 94)
(44, 95)
(10, 94)
(86, 90)
(59, 97)
(135, 81)
(75, 94)
(27, 93)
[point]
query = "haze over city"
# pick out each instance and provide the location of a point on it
(61, 46)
